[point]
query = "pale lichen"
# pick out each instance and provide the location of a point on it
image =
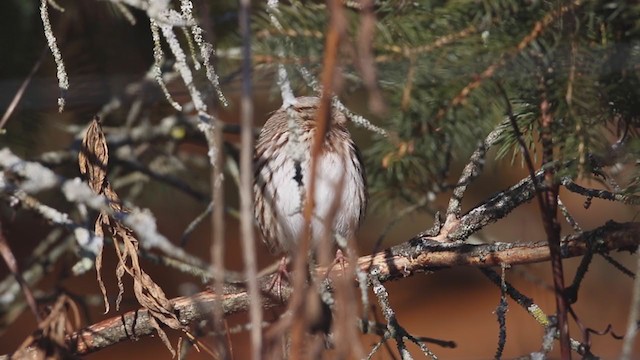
(206, 50)
(61, 72)
(158, 57)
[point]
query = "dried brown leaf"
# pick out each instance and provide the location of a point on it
(114, 200)
(123, 235)
(151, 296)
(120, 271)
(94, 156)
(49, 340)
(93, 160)
(163, 336)
(98, 230)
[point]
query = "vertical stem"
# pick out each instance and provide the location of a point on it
(216, 145)
(548, 204)
(549, 209)
(12, 264)
(218, 231)
(634, 317)
(246, 184)
(323, 119)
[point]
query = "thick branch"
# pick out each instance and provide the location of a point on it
(414, 256)
(472, 170)
(135, 324)
(189, 309)
(423, 254)
(495, 208)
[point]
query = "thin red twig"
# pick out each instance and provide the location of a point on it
(12, 264)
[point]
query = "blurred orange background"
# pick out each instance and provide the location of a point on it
(456, 304)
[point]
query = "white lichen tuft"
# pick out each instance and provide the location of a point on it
(355, 118)
(207, 130)
(288, 98)
(294, 147)
(143, 223)
(309, 79)
(161, 12)
(182, 67)
(272, 9)
(61, 73)
(33, 177)
(91, 246)
(77, 191)
(192, 49)
(206, 49)
(4, 185)
(158, 56)
(358, 119)
(186, 8)
(54, 215)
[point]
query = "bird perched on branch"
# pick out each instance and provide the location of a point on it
(282, 178)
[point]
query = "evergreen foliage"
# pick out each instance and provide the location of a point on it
(444, 66)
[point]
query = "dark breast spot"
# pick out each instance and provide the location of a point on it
(298, 175)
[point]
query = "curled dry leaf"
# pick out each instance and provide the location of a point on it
(103, 288)
(49, 341)
(151, 296)
(123, 235)
(93, 160)
(94, 156)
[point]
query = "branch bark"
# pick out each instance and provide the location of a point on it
(417, 255)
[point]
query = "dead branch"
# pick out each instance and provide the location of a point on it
(422, 254)
(414, 256)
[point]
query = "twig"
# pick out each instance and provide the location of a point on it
(438, 43)
(536, 312)
(501, 314)
(393, 327)
(10, 288)
(217, 157)
(420, 254)
(568, 217)
(472, 170)
(628, 199)
(201, 217)
(571, 292)
(548, 203)
(373, 327)
(547, 340)
(400, 261)
(633, 321)
(135, 324)
(246, 183)
(623, 269)
(12, 264)
(335, 29)
(38, 178)
(164, 178)
(495, 208)
(365, 61)
(20, 92)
